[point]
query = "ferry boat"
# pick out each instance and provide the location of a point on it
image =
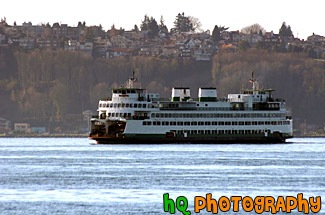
(134, 116)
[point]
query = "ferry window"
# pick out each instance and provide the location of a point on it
(214, 123)
(144, 123)
(154, 123)
(128, 91)
(234, 123)
(132, 91)
(110, 105)
(207, 132)
(113, 114)
(158, 122)
(129, 114)
(135, 105)
(149, 123)
(114, 91)
(153, 115)
(179, 123)
(187, 123)
(201, 123)
(241, 123)
(261, 122)
(140, 105)
(172, 123)
(119, 105)
(123, 105)
(144, 105)
(267, 123)
(254, 123)
(273, 123)
(125, 114)
(167, 123)
(207, 123)
(100, 105)
(193, 123)
(221, 123)
(227, 123)
(108, 114)
(123, 91)
(247, 123)
(117, 114)
(279, 122)
(127, 105)
(131, 105)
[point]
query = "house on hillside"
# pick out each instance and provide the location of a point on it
(5, 126)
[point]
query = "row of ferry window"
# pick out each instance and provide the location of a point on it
(215, 115)
(194, 123)
(222, 131)
(126, 105)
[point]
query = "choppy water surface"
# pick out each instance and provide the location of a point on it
(70, 176)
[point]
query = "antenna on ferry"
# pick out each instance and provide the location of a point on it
(255, 84)
(132, 80)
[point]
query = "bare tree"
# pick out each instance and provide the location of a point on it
(196, 24)
(253, 29)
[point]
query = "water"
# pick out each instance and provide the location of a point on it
(71, 176)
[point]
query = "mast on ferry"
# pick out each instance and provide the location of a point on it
(255, 84)
(131, 81)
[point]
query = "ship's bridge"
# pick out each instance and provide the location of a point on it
(133, 94)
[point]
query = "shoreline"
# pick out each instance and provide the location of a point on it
(86, 135)
(43, 135)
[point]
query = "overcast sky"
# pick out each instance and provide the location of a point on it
(304, 17)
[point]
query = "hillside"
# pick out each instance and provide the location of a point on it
(47, 88)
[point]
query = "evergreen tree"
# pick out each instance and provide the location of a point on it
(216, 33)
(162, 27)
(136, 29)
(145, 23)
(285, 31)
(153, 28)
(150, 25)
(182, 23)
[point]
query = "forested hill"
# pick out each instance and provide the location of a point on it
(43, 87)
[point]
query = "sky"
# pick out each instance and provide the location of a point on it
(304, 16)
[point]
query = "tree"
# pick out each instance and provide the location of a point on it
(253, 29)
(162, 27)
(243, 45)
(136, 29)
(216, 33)
(285, 31)
(145, 23)
(150, 25)
(195, 23)
(153, 28)
(89, 35)
(182, 23)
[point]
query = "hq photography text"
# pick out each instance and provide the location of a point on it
(259, 204)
